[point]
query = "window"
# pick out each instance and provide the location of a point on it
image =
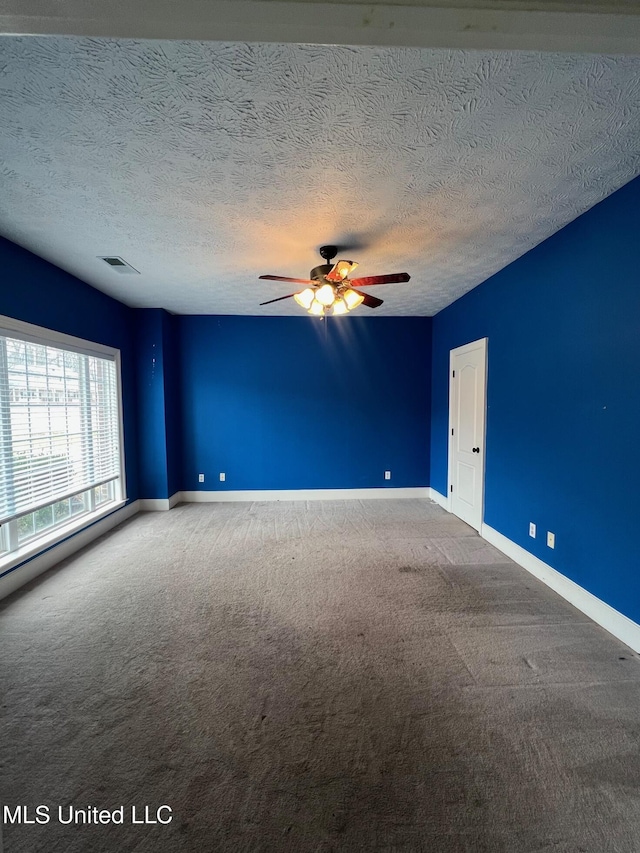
(60, 458)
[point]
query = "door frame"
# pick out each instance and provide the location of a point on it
(452, 353)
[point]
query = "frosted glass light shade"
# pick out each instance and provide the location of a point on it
(340, 307)
(325, 294)
(316, 308)
(352, 298)
(305, 298)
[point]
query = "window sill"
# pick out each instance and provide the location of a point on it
(55, 537)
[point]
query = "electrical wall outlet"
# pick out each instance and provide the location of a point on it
(551, 539)
(532, 530)
(201, 478)
(223, 476)
(387, 475)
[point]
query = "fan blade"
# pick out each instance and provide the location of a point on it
(368, 300)
(269, 301)
(380, 279)
(340, 271)
(284, 278)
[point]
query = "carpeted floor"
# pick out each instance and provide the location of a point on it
(329, 676)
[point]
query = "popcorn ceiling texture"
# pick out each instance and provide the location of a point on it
(205, 165)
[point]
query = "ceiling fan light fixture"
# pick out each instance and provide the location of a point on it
(326, 295)
(352, 299)
(328, 289)
(305, 297)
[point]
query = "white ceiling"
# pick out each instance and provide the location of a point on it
(206, 164)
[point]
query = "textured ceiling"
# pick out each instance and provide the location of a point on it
(207, 164)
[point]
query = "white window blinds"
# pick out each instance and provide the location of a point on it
(59, 423)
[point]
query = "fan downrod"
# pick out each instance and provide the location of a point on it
(328, 252)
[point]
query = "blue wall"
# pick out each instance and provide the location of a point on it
(35, 291)
(150, 403)
(299, 403)
(158, 408)
(173, 401)
(563, 418)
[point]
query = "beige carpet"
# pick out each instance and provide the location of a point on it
(330, 676)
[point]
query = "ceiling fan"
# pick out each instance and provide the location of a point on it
(328, 290)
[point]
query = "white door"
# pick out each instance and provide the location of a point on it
(467, 405)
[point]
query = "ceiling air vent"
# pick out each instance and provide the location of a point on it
(119, 265)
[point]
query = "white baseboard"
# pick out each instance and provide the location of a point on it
(159, 504)
(26, 572)
(304, 495)
(154, 504)
(439, 499)
(603, 614)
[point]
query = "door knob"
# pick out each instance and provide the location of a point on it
(475, 450)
